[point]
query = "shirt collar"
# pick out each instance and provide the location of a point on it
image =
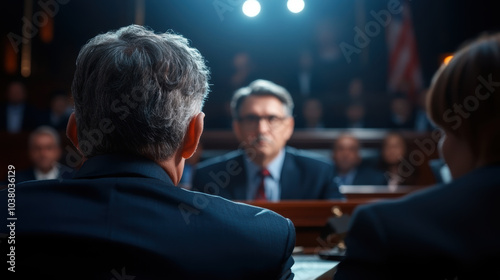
(346, 179)
(52, 174)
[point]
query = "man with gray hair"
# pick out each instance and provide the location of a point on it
(265, 168)
(138, 99)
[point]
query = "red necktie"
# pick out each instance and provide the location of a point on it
(261, 191)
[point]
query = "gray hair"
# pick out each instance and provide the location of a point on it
(136, 91)
(261, 88)
(48, 130)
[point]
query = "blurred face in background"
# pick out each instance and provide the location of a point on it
(16, 93)
(312, 111)
(59, 104)
(394, 149)
(401, 107)
(44, 151)
(356, 88)
(355, 112)
(263, 127)
(346, 154)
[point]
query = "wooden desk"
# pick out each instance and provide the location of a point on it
(310, 216)
(367, 192)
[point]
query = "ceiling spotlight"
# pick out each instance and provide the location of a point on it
(251, 8)
(295, 6)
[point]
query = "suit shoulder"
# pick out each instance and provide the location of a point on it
(25, 175)
(219, 160)
(308, 157)
(256, 218)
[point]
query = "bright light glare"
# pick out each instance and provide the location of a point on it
(447, 59)
(251, 8)
(295, 6)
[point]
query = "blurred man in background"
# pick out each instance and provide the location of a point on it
(58, 114)
(17, 114)
(265, 168)
(44, 149)
(349, 168)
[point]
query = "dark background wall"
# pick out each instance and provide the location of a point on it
(273, 39)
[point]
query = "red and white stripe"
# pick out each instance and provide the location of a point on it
(404, 66)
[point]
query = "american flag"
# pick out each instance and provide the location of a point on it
(404, 67)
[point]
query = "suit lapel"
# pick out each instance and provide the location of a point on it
(290, 177)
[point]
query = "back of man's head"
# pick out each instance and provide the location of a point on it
(135, 92)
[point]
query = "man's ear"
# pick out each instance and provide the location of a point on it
(71, 130)
(193, 134)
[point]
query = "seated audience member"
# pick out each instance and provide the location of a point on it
(355, 115)
(299, 84)
(44, 150)
(312, 115)
(394, 159)
(17, 114)
(265, 168)
(121, 216)
(348, 168)
(356, 90)
(402, 113)
(58, 114)
(449, 231)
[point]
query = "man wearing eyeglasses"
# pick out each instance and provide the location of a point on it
(264, 168)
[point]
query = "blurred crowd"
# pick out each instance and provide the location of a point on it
(18, 115)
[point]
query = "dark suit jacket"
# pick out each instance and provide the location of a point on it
(303, 176)
(122, 215)
(31, 118)
(29, 174)
(442, 232)
(367, 176)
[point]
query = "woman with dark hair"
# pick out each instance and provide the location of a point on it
(451, 230)
(393, 152)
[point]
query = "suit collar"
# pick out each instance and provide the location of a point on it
(118, 165)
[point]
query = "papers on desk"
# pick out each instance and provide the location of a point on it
(309, 267)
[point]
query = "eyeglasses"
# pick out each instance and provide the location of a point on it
(252, 121)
